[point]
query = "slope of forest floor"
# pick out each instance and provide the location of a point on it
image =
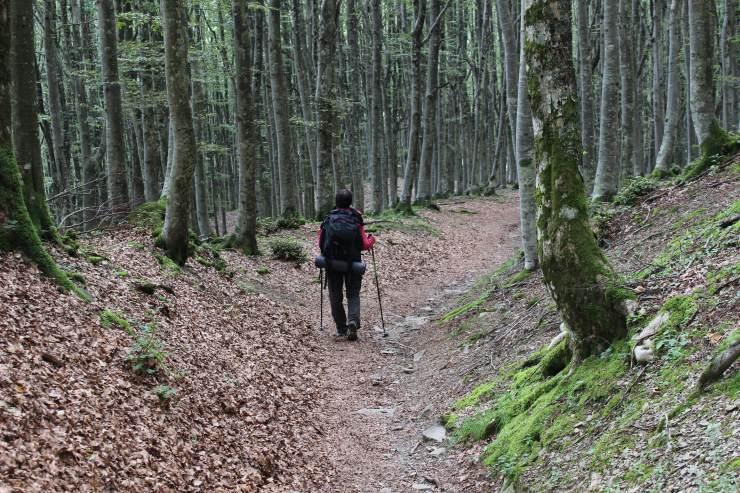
(216, 377)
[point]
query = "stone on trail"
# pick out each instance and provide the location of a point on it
(435, 433)
(422, 487)
(418, 355)
(437, 451)
(385, 412)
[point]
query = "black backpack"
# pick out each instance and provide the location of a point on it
(341, 238)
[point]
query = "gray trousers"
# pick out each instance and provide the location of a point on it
(336, 281)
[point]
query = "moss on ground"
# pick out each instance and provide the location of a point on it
(110, 318)
(149, 215)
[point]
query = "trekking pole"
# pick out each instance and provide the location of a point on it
(321, 288)
(377, 286)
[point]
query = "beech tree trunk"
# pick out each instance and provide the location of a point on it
(281, 102)
(628, 84)
(376, 123)
(576, 272)
(175, 231)
(326, 99)
(673, 111)
(414, 145)
(526, 168)
(424, 194)
(24, 117)
(708, 131)
(607, 170)
(246, 230)
(17, 229)
(118, 198)
(588, 165)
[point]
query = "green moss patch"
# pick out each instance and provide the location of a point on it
(149, 215)
(109, 319)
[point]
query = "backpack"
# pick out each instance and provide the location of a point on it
(341, 238)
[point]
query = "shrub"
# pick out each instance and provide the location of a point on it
(147, 356)
(287, 249)
(165, 394)
(634, 189)
(290, 222)
(267, 225)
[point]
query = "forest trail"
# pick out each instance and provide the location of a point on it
(384, 392)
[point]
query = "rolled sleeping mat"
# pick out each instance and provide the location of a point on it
(321, 262)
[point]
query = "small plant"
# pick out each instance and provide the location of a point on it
(165, 394)
(147, 356)
(121, 273)
(287, 249)
(109, 318)
(168, 264)
(263, 270)
(634, 189)
(290, 222)
(267, 225)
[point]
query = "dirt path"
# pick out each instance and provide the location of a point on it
(385, 391)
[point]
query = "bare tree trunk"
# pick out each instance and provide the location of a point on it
(586, 108)
(353, 64)
(527, 170)
(729, 60)
(412, 160)
(281, 102)
(570, 256)
(54, 81)
(376, 121)
(673, 110)
(115, 159)
(506, 23)
(424, 193)
(152, 152)
(326, 99)
(175, 231)
(628, 83)
(657, 92)
(246, 230)
(607, 170)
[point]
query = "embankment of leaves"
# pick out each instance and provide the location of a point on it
(611, 422)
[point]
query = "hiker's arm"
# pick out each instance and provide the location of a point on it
(367, 240)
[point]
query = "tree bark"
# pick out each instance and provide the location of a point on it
(708, 131)
(607, 170)
(576, 273)
(585, 75)
(326, 99)
(118, 198)
(628, 83)
(412, 159)
(525, 166)
(424, 194)
(673, 110)
(729, 60)
(506, 23)
(17, 229)
(175, 231)
(281, 103)
(24, 117)
(246, 231)
(376, 121)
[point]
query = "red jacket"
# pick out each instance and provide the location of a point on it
(368, 240)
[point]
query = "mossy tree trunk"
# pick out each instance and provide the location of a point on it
(175, 230)
(577, 275)
(17, 230)
(25, 122)
(246, 231)
(711, 136)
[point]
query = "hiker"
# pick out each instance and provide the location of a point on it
(342, 238)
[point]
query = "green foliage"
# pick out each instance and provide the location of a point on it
(263, 270)
(109, 318)
(287, 249)
(147, 356)
(167, 264)
(542, 405)
(149, 215)
(267, 225)
(290, 222)
(636, 187)
(165, 393)
(671, 339)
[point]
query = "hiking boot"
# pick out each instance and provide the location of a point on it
(352, 331)
(342, 331)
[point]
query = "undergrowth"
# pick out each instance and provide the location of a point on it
(287, 249)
